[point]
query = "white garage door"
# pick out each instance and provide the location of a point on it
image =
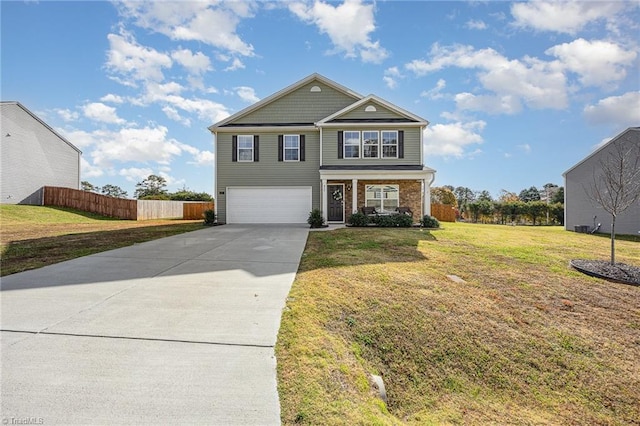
(268, 204)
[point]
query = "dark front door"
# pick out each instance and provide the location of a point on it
(335, 194)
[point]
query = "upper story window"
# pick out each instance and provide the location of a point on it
(291, 147)
(370, 144)
(390, 144)
(245, 147)
(351, 144)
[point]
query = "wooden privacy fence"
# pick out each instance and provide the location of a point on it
(443, 212)
(90, 202)
(122, 208)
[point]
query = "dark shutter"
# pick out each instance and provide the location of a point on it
(234, 147)
(400, 143)
(340, 144)
(256, 147)
(301, 147)
(280, 147)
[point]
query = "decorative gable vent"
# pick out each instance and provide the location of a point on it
(316, 89)
(370, 108)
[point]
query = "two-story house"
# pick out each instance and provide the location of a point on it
(319, 145)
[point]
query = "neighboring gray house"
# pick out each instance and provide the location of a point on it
(580, 209)
(33, 155)
(319, 145)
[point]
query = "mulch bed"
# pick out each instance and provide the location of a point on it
(619, 272)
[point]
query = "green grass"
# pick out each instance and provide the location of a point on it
(525, 340)
(35, 236)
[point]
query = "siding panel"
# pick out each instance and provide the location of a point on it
(269, 171)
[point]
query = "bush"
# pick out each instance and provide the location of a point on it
(315, 219)
(430, 222)
(403, 220)
(209, 217)
(358, 219)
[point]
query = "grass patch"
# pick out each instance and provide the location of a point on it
(36, 236)
(525, 340)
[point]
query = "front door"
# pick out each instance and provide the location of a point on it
(335, 195)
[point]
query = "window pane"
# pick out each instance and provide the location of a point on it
(389, 138)
(291, 141)
(389, 151)
(375, 203)
(245, 154)
(352, 151)
(291, 154)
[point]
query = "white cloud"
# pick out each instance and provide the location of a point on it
(114, 99)
(213, 23)
(597, 62)
(67, 114)
(203, 158)
(526, 148)
(475, 25)
(348, 25)
(236, 64)
(435, 93)
(511, 82)
(563, 16)
(135, 174)
(133, 61)
(197, 63)
(622, 111)
(174, 115)
(88, 171)
(247, 94)
(98, 111)
(451, 140)
(79, 138)
(391, 77)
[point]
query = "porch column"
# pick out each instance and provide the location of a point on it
(323, 199)
(354, 195)
(426, 209)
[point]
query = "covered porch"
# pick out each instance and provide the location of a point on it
(345, 191)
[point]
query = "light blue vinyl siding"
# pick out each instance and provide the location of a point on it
(268, 171)
(411, 148)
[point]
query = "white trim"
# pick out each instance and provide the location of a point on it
(394, 125)
(286, 91)
(344, 205)
(613, 139)
(323, 198)
(380, 101)
(284, 149)
(397, 144)
(266, 129)
(344, 144)
(216, 196)
(363, 144)
(320, 146)
(238, 160)
(425, 173)
(354, 195)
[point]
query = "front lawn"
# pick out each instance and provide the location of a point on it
(523, 340)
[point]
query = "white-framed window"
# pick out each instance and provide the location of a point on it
(245, 147)
(390, 144)
(370, 144)
(351, 144)
(382, 197)
(291, 148)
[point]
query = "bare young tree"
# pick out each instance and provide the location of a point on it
(616, 184)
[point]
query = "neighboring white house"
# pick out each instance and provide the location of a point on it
(33, 155)
(580, 210)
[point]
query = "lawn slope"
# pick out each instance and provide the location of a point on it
(524, 340)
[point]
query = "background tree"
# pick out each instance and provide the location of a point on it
(530, 194)
(558, 197)
(113, 191)
(484, 195)
(186, 195)
(616, 184)
(535, 209)
(153, 187)
(443, 195)
(86, 186)
(506, 196)
(464, 195)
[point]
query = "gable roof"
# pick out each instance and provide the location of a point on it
(284, 92)
(603, 147)
(25, 109)
(414, 119)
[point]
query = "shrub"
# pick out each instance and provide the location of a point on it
(385, 221)
(403, 220)
(209, 217)
(430, 222)
(315, 219)
(358, 219)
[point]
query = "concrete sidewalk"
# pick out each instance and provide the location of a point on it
(177, 330)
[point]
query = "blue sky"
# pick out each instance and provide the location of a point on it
(515, 93)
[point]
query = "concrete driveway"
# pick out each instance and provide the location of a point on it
(174, 331)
